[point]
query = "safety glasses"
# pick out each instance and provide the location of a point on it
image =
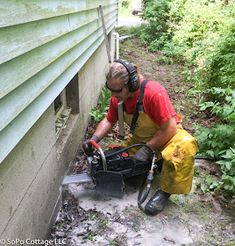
(112, 90)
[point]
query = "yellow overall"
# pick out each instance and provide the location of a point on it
(178, 154)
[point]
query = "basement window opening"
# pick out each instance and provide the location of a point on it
(62, 112)
(66, 103)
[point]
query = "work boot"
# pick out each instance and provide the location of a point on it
(157, 203)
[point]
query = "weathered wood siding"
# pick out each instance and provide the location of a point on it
(43, 44)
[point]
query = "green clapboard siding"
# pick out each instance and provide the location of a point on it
(41, 49)
(15, 12)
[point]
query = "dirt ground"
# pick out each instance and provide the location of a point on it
(199, 218)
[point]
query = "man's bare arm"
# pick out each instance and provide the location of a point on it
(164, 134)
(103, 128)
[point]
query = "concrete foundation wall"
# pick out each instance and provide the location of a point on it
(31, 175)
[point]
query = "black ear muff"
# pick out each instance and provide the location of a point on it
(133, 82)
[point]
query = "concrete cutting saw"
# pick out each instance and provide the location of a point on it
(108, 170)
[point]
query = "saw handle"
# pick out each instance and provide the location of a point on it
(94, 144)
(127, 148)
(98, 147)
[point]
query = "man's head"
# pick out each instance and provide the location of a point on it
(122, 79)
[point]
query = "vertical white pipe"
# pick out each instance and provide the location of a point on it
(121, 121)
(120, 105)
(116, 45)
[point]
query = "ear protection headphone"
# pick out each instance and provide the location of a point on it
(133, 83)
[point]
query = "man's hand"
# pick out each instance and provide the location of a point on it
(87, 147)
(144, 154)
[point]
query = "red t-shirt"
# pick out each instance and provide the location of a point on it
(156, 103)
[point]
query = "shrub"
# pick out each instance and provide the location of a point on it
(219, 69)
(218, 143)
(222, 104)
(125, 4)
(155, 34)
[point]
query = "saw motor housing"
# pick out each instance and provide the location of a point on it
(109, 177)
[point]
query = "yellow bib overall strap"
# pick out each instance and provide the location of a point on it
(139, 106)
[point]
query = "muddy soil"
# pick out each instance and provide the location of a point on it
(199, 218)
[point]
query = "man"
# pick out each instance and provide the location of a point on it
(157, 125)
